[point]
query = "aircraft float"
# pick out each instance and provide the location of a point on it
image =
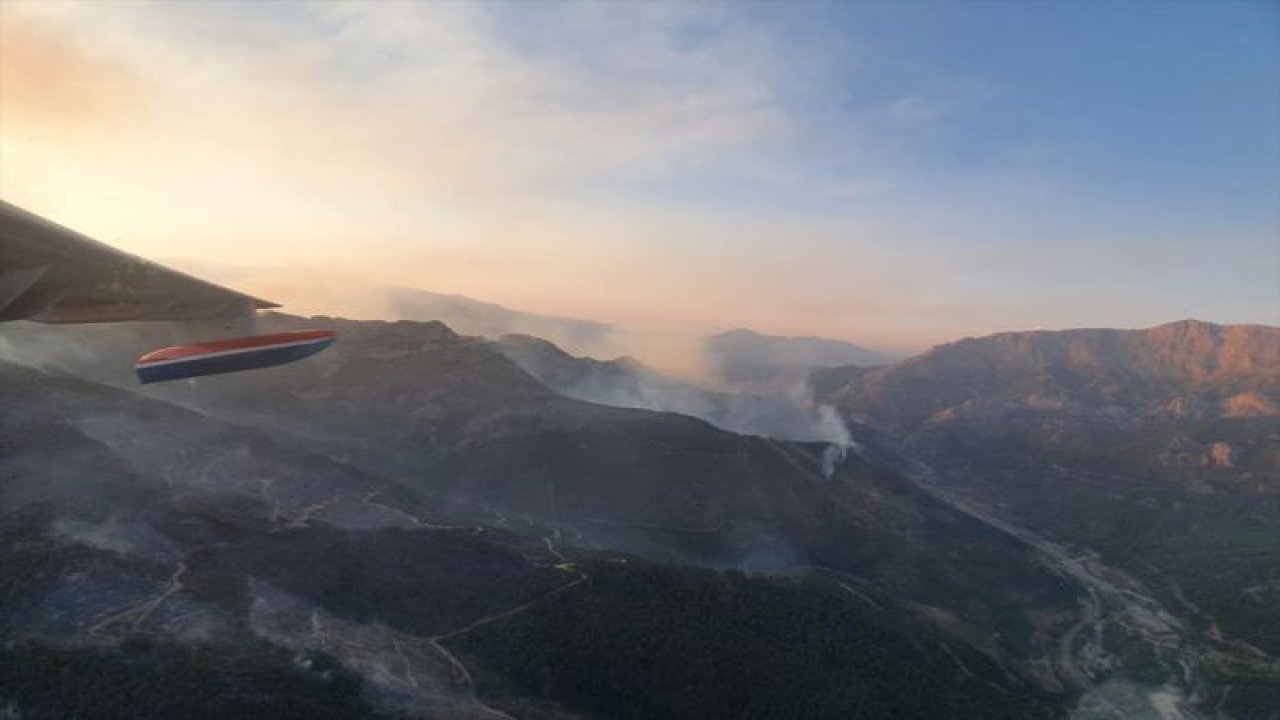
(52, 274)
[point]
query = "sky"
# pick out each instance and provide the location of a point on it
(898, 174)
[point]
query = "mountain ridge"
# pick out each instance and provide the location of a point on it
(745, 359)
(1147, 368)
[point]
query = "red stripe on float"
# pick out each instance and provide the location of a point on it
(180, 352)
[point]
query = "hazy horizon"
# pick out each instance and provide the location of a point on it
(299, 297)
(892, 174)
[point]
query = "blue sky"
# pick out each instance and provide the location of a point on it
(1169, 105)
(1155, 116)
(897, 173)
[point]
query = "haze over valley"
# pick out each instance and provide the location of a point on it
(640, 361)
(986, 525)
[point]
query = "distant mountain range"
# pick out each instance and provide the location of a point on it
(740, 358)
(475, 317)
(322, 292)
(747, 360)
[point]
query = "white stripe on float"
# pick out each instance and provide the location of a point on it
(237, 351)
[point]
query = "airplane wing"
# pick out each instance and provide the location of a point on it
(52, 274)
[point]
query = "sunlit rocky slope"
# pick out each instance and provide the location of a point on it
(1157, 449)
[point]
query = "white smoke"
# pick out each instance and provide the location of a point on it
(789, 414)
(837, 434)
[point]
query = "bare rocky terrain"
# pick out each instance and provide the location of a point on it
(1155, 453)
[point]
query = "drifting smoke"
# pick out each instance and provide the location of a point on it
(841, 441)
(103, 353)
(789, 414)
(25, 344)
(684, 381)
(115, 534)
(322, 291)
(738, 360)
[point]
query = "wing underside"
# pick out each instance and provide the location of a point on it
(51, 274)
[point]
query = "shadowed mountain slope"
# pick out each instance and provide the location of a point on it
(482, 442)
(201, 566)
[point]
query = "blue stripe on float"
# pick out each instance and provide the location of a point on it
(249, 360)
